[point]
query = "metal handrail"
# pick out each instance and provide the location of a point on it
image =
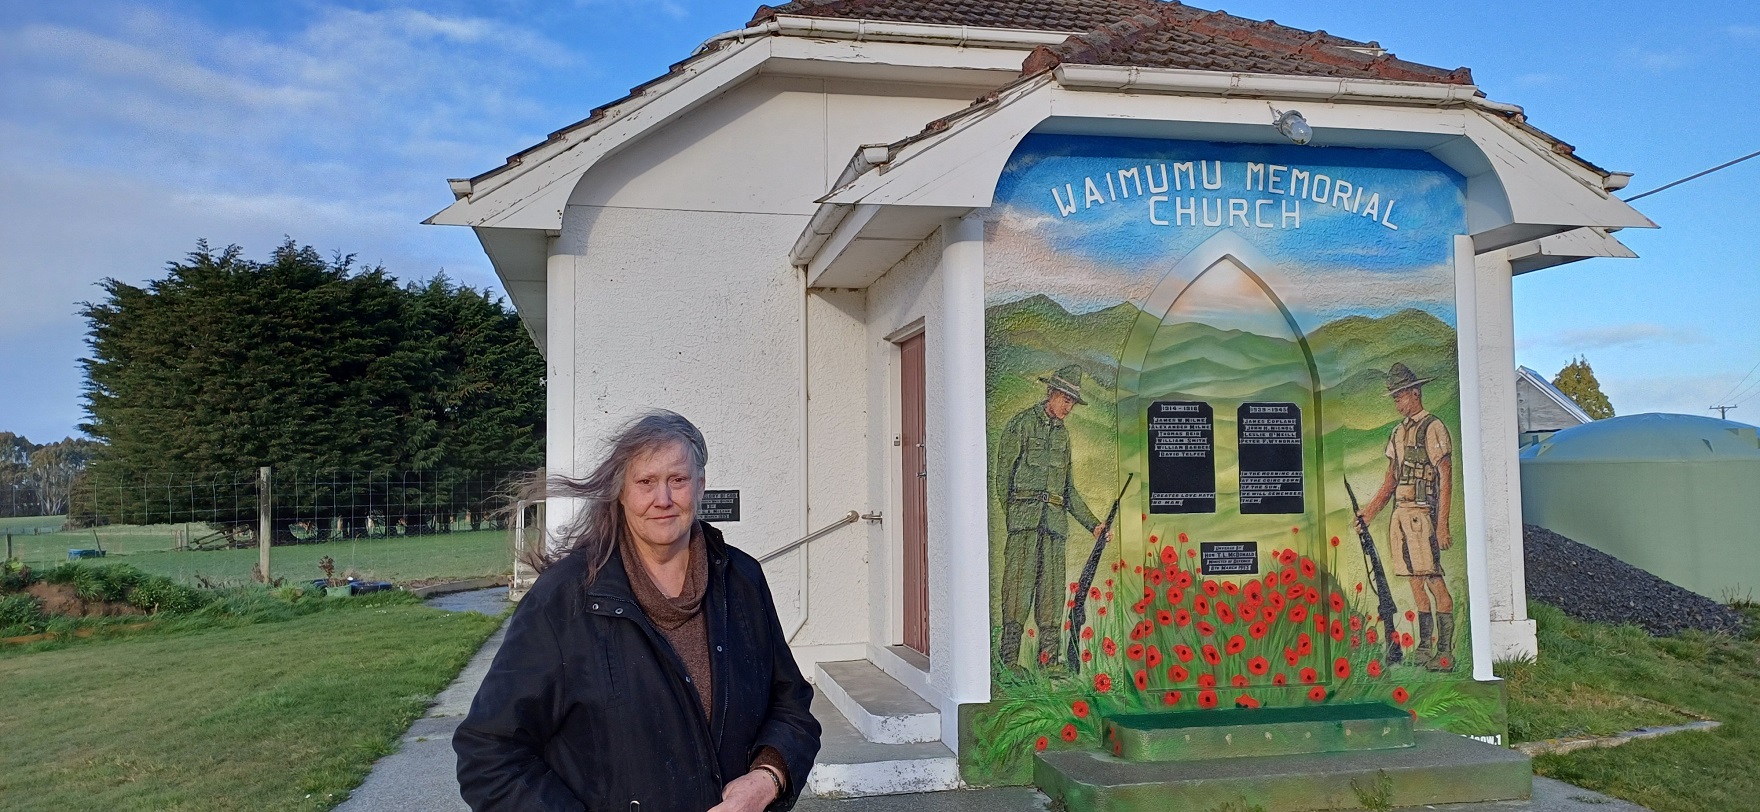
(848, 519)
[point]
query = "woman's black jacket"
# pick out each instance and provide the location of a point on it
(587, 707)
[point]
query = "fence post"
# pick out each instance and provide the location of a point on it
(265, 508)
(8, 546)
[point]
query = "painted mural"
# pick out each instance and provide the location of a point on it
(1223, 399)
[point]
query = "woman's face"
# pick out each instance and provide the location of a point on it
(660, 495)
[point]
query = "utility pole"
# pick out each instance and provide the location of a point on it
(265, 510)
(1722, 411)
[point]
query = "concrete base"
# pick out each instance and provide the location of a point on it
(1441, 768)
(850, 766)
(1241, 732)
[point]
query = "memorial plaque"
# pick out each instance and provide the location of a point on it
(1182, 457)
(1270, 438)
(1228, 557)
(719, 506)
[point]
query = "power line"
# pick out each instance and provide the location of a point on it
(1694, 176)
(1722, 411)
(1738, 386)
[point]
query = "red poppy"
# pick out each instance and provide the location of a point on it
(1317, 693)
(1178, 673)
(1044, 658)
(1236, 644)
(1183, 580)
(1279, 679)
(1201, 605)
(1304, 644)
(1239, 681)
(1289, 656)
(1405, 639)
(1307, 675)
(1274, 604)
(1141, 678)
(1206, 680)
(1206, 699)
(1211, 588)
(1042, 743)
(1411, 616)
(1286, 557)
(1137, 569)
(1093, 593)
(1183, 652)
(1191, 553)
(1073, 587)
(1374, 668)
(1182, 538)
(1164, 617)
(1244, 701)
(1145, 628)
(1295, 592)
(1341, 668)
(1155, 577)
(1359, 586)
(1031, 632)
(1109, 583)
(1308, 570)
(1070, 604)
(1108, 596)
(1356, 623)
(1175, 595)
(1231, 588)
(1152, 656)
(1356, 641)
(1101, 611)
(1102, 683)
(1373, 635)
(1337, 602)
(1168, 554)
(1153, 539)
(1141, 606)
(1337, 631)
(1258, 630)
(1224, 612)
(1442, 661)
(1312, 596)
(1298, 613)
(1182, 618)
(1135, 652)
(1254, 591)
(1205, 629)
(1258, 665)
(1109, 647)
(1170, 698)
(1400, 695)
(1335, 541)
(1211, 655)
(1069, 733)
(1249, 612)
(1087, 656)
(1287, 576)
(1087, 632)
(1079, 708)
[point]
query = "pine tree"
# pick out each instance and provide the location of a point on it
(1577, 381)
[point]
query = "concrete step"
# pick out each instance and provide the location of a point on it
(1240, 732)
(879, 706)
(851, 766)
(1440, 768)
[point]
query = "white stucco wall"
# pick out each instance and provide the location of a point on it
(669, 287)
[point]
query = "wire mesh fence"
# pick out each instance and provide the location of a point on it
(398, 525)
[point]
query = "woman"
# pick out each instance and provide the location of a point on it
(646, 671)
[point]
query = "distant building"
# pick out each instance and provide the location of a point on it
(1541, 409)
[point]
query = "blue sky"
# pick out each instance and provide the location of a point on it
(132, 129)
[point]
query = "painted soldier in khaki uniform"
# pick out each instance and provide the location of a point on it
(1034, 485)
(1420, 481)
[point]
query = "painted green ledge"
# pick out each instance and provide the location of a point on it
(1239, 732)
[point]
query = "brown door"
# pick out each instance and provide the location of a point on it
(915, 472)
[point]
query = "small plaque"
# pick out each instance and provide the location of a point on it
(1270, 442)
(719, 506)
(1182, 457)
(1228, 557)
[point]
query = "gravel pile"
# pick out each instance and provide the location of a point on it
(1591, 585)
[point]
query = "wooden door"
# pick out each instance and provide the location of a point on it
(915, 475)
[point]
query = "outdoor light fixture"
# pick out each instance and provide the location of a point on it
(1292, 125)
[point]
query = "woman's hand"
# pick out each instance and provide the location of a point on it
(748, 793)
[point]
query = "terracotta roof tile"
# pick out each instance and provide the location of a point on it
(1146, 33)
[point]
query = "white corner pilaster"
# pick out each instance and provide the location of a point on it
(559, 392)
(1467, 325)
(966, 588)
(1512, 632)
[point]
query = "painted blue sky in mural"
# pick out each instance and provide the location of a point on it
(1325, 219)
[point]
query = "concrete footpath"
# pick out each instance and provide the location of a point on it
(420, 776)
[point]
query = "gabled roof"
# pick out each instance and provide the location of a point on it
(1146, 34)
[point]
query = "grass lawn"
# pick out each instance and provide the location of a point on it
(1582, 683)
(449, 555)
(285, 715)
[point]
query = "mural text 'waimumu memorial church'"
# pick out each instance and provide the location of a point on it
(1160, 402)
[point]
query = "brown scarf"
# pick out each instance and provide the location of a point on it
(680, 620)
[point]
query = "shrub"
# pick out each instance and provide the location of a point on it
(20, 612)
(15, 576)
(163, 595)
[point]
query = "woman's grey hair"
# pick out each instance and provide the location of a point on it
(599, 524)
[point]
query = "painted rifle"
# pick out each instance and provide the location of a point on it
(1377, 581)
(1078, 614)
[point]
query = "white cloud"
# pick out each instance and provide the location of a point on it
(1656, 61)
(1614, 335)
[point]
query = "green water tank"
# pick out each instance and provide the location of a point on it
(1676, 495)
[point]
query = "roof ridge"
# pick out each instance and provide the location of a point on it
(1108, 39)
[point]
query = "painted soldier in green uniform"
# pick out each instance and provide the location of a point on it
(1420, 481)
(1034, 485)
